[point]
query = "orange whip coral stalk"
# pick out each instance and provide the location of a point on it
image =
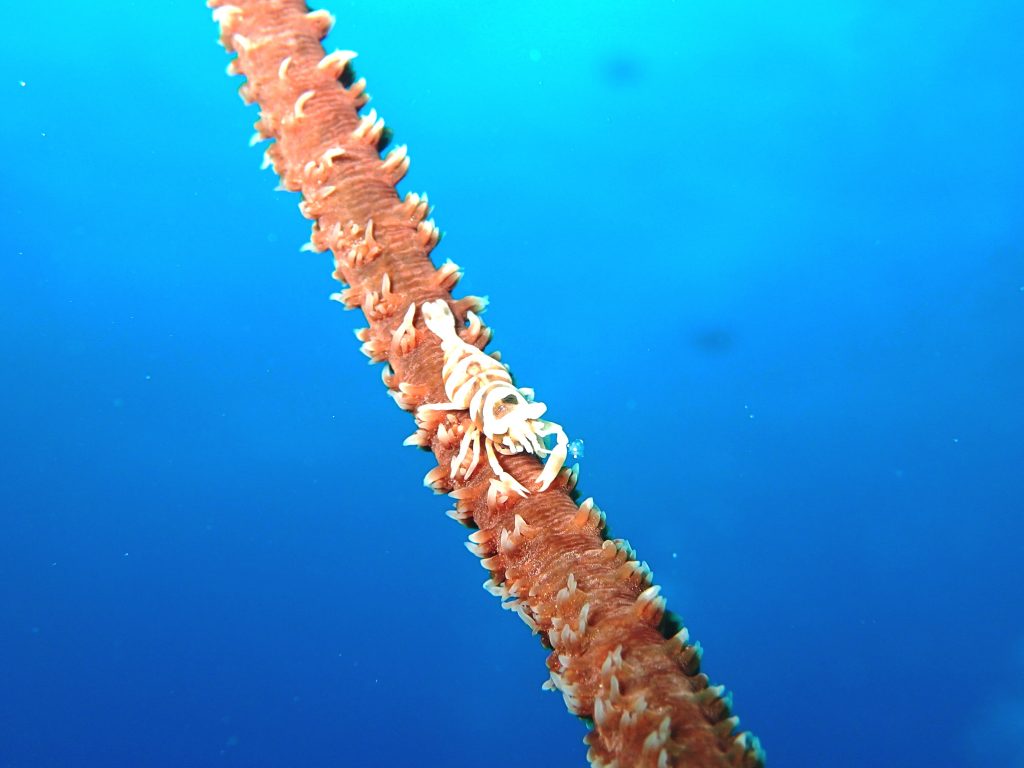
(616, 657)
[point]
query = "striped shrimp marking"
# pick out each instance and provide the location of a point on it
(504, 417)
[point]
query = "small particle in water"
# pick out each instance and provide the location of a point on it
(675, 555)
(713, 341)
(125, 555)
(576, 449)
(621, 69)
(956, 439)
(22, 83)
(534, 55)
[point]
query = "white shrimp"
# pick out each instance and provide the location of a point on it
(504, 417)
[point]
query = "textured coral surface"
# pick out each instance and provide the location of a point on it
(615, 656)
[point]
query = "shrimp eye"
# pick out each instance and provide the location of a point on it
(501, 407)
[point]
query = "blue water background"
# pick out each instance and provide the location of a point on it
(766, 260)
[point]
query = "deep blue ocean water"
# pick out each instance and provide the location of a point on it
(767, 261)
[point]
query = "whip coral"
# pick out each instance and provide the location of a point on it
(616, 657)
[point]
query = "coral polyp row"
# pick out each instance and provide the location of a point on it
(548, 558)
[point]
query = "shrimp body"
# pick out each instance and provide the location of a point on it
(504, 417)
